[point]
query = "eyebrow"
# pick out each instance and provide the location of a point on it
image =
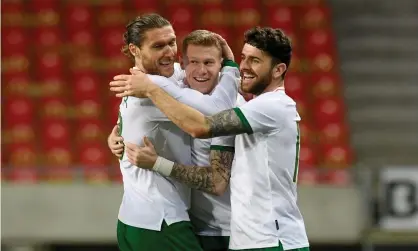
(252, 57)
(164, 42)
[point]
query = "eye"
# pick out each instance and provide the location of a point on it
(256, 61)
(193, 61)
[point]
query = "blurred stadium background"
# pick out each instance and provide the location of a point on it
(354, 76)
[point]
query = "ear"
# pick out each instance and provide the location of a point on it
(134, 50)
(278, 70)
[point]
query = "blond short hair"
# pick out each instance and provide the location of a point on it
(201, 38)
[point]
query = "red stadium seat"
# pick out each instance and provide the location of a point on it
(214, 15)
(14, 40)
(16, 85)
(86, 86)
(308, 176)
(307, 132)
(78, 17)
(18, 110)
(319, 41)
(146, 6)
(325, 84)
(302, 108)
(111, 16)
(279, 16)
(181, 16)
(55, 133)
(16, 63)
(328, 111)
(12, 14)
(244, 4)
(23, 175)
(37, 5)
(308, 156)
(50, 86)
(113, 110)
(296, 65)
(336, 156)
(22, 155)
(88, 108)
(112, 41)
(47, 38)
(94, 158)
(82, 39)
(90, 130)
(83, 62)
(54, 108)
(339, 177)
(314, 16)
(49, 64)
(116, 64)
(58, 165)
(322, 62)
(247, 18)
(295, 85)
(19, 133)
(333, 133)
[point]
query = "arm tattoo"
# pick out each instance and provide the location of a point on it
(208, 179)
(225, 123)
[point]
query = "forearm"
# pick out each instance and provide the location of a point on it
(201, 178)
(188, 119)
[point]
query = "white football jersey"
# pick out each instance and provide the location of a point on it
(150, 198)
(211, 214)
(264, 174)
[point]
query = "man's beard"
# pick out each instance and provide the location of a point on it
(150, 67)
(260, 86)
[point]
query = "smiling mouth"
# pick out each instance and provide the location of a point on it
(201, 80)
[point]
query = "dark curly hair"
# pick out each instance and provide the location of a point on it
(272, 41)
(135, 30)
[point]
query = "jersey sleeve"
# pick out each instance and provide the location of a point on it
(266, 114)
(223, 97)
(224, 143)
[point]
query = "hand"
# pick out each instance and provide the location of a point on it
(226, 50)
(115, 142)
(136, 84)
(143, 157)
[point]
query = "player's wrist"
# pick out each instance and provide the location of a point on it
(163, 166)
(152, 88)
(229, 62)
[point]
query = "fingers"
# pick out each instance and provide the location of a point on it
(115, 130)
(220, 38)
(148, 143)
(135, 71)
(122, 77)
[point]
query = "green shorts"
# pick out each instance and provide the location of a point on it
(278, 248)
(214, 243)
(178, 236)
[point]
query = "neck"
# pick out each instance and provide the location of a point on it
(138, 65)
(273, 86)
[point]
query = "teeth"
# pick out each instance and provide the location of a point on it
(201, 79)
(165, 63)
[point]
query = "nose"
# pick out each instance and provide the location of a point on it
(202, 69)
(244, 65)
(169, 51)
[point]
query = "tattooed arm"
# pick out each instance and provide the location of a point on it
(195, 123)
(213, 179)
